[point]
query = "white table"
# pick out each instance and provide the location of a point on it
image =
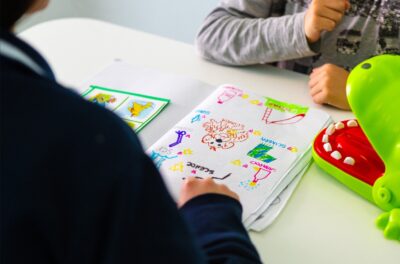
(324, 222)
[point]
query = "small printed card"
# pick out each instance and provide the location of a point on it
(135, 109)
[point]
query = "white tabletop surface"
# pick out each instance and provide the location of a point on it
(323, 223)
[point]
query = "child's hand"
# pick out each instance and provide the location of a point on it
(323, 15)
(328, 86)
(193, 187)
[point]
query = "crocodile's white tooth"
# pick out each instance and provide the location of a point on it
(352, 123)
(336, 155)
(339, 125)
(330, 130)
(349, 161)
(328, 147)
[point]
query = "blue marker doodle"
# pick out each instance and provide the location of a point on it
(203, 112)
(158, 158)
(197, 118)
(179, 139)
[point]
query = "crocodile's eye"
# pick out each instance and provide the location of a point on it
(366, 66)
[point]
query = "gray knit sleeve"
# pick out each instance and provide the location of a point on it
(244, 32)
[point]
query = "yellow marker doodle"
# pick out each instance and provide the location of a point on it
(257, 133)
(237, 163)
(187, 152)
(177, 167)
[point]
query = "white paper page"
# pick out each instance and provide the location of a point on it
(275, 208)
(297, 166)
(235, 138)
(184, 92)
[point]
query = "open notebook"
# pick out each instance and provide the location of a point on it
(256, 145)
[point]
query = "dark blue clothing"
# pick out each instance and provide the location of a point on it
(76, 186)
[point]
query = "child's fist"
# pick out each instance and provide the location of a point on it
(193, 187)
(328, 86)
(323, 15)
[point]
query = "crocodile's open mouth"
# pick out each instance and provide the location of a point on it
(345, 146)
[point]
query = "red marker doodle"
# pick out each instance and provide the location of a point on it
(261, 174)
(290, 120)
(228, 94)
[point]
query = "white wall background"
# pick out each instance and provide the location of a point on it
(176, 19)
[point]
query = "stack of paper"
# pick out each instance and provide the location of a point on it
(258, 146)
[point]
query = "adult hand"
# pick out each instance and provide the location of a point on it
(323, 15)
(328, 86)
(193, 187)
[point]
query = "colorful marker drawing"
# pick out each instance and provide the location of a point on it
(260, 152)
(228, 94)
(187, 151)
(103, 99)
(299, 112)
(246, 185)
(223, 134)
(201, 114)
(179, 139)
(178, 167)
(273, 142)
(196, 118)
(261, 174)
(161, 155)
(236, 162)
(293, 149)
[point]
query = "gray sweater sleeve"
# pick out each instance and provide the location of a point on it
(243, 32)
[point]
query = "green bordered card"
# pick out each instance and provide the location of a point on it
(135, 109)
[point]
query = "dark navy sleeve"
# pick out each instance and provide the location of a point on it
(77, 187)
(216, 222)
(128, 213)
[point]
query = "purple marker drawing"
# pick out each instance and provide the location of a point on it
(179, 139)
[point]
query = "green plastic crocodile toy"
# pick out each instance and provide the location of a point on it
(364, 154)
(373, 91)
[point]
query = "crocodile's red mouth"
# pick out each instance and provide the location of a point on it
(345, 146)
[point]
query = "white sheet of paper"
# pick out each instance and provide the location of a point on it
(265, 219)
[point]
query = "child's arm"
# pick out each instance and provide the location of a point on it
(244, 32)
(214, 213)
(328, 86)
